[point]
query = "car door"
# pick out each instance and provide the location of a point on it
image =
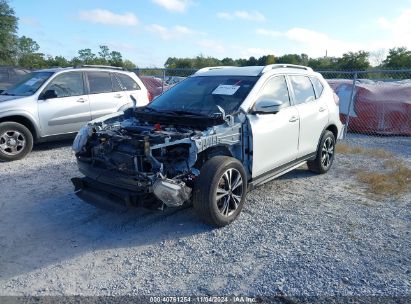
(131, 88)
(105, 94)
(275, 136)
(63, 105)
(313, 113)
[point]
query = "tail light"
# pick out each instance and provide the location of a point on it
(336, 99)
(150, 96)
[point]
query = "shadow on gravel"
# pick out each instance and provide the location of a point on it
(297, 173)
(54, 231)
(53, 144)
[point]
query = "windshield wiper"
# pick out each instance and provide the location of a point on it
(183, 112)
(8, 94)
(175, 112)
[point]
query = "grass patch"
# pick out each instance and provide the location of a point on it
(377, 153)
(346, 149)
(387, 183)
(393, 179)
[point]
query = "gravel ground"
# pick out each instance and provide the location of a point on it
(299, 235)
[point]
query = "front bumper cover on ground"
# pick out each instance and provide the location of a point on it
(108, 197)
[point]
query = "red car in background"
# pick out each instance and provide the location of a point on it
(154, 85)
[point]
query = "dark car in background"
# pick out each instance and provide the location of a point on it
(10, 75)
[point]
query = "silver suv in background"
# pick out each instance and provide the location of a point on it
(51, 103)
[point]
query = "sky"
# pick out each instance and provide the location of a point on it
(149, 31)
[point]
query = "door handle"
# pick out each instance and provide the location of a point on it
(293, 119)
(82, 100)
(322, 109)
(118, 96)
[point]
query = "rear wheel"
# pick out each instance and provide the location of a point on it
(325, 154)
(16, 141)
(220, 190)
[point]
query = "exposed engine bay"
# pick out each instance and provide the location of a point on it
(164, 159)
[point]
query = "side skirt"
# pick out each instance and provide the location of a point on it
(270, 175)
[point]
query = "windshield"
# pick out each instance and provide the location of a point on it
(202, 94)
(29, 84)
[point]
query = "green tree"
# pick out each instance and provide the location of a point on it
(290, 58)
(116, 59)
(323, 63)
(86, 56)
(57, 61)
(128, 65)
(28, 55)
(228, 61)
(104, 54)
(354, 61)
(398, 58)
(27, 45)
(251, 61)
(8, 30)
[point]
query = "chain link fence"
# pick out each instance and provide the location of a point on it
(374, 102)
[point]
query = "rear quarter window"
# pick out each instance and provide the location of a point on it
(127, 83)
(318, 86)
(4, 75)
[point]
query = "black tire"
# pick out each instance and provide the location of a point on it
(214, 175)
(16, 141)
(325, 154)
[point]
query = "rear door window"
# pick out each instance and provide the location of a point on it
(99, 82)
(303, 89)
(127, 83)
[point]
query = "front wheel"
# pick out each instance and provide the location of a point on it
(325, 154)
(220, 190)
(16, 141)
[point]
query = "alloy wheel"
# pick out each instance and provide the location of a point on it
(327, 152)
(229, 192)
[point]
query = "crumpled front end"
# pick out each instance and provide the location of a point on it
(127, 162)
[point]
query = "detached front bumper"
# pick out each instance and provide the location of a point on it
(111, 190)
(115, 191)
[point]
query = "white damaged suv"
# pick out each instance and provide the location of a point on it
(210, 139)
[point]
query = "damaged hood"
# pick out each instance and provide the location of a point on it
(8, 97)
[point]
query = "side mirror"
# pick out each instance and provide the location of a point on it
(267, 106)
(49, 94)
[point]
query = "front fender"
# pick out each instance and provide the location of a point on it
(23, 114)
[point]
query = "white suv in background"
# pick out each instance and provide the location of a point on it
(51, 103)
(209, 139)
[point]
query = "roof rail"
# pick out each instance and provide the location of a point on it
(284, 65)
(213, 68)
(96, 66)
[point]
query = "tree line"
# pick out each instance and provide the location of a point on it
(397, 58)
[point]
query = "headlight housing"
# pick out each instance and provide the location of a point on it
(81, 139)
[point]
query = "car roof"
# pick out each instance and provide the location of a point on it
(252, 70)
(85, 68)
